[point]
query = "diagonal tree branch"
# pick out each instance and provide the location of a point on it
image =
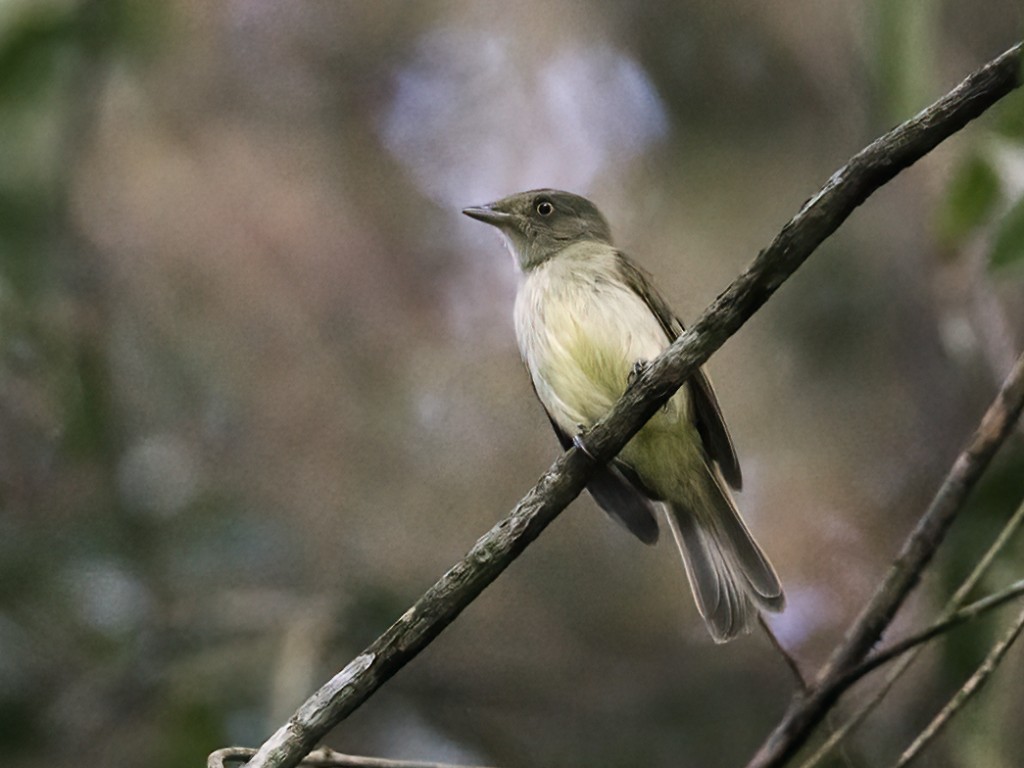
(565, 479)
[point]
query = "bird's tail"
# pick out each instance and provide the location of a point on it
(730, 576)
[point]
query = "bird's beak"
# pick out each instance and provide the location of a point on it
(488, 215)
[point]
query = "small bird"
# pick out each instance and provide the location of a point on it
(587, 321)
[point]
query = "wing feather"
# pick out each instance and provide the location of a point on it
(707, 412)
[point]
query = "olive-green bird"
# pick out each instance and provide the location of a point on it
(587, 318)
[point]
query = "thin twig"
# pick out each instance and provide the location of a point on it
(817, 219)
(972, 686)
(323, 758)
(950, 609)
(962, 616)
(805, 712)
(790, 660)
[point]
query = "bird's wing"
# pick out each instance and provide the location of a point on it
(621, 499)
(707, 412)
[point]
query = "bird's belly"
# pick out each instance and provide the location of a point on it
(580, 378)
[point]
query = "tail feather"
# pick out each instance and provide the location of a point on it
(754, 565)
(730, 576)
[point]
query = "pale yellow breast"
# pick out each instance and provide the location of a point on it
(580, 330)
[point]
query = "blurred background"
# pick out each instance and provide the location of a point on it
(259, 386)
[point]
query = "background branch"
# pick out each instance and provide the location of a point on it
(941, 627)
(819, 218)
(951, 610)
(961, 697)
(806, 711)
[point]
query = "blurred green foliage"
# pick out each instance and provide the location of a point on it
(904, 49)
(1008, 243)
(984, 196)
(45, 54)
(973, 193)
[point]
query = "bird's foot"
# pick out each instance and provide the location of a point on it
(637, 371)
(577, 440)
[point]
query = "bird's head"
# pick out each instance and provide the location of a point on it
(538, 224)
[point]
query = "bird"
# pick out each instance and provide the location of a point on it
(588, 320)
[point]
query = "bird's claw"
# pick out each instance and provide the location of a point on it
(577, 441)
(637, 371)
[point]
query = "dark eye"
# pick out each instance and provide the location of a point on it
(544, 208)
